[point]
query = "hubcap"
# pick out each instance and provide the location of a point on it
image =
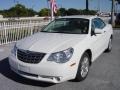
(85, 67)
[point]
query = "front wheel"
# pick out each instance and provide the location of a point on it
(109, 46)
(83, 67)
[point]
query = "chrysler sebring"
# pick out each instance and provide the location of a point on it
(63, 50)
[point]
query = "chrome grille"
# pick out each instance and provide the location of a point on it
(29, 56)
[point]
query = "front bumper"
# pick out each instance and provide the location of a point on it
(44, 71)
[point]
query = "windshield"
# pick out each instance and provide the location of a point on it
(68, 25)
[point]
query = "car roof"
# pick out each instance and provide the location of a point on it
(80, 16)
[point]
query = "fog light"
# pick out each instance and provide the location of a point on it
(58, 78)
(52, 77)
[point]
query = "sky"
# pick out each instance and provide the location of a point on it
(104, 5)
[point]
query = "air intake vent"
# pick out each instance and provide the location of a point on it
(29, 56)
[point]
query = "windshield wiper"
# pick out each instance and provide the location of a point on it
(43, 31)
(52, 32)
(61, 32)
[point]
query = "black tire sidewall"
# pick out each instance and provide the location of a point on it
(78, 75)
(110, 42)
(109, 49)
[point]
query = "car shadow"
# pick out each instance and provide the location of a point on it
(7, 72)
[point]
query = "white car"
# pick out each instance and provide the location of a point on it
(63, 50)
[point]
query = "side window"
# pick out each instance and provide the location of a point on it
(102, 23)
(99, 23)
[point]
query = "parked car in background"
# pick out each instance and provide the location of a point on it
(117, 21)
(104, 14)
(63, 50)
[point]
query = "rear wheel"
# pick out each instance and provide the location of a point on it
(83, 68)
(109, 46)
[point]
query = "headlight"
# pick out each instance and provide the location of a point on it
(14, 50)
(62, 56)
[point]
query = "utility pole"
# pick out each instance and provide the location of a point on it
(116, 7)
(112, 13)
(87, 5)
(99, 8)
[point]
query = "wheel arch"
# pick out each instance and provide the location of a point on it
(89, 52)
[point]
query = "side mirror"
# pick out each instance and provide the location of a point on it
(98, 31)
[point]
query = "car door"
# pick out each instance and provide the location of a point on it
(98, 40)
(105, 34)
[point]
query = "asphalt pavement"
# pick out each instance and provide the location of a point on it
(104, 73)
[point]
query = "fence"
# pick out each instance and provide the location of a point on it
(13, 30)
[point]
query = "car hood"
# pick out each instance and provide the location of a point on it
(50, 42)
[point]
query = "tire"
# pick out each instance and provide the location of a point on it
(83, 65)
(109, 46)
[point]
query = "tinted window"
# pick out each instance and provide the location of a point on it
(98, 23)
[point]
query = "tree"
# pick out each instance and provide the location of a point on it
(31, 12)
(63, 12)
(44, 12)
(18, 11)
(73, 11)
(89, 12)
